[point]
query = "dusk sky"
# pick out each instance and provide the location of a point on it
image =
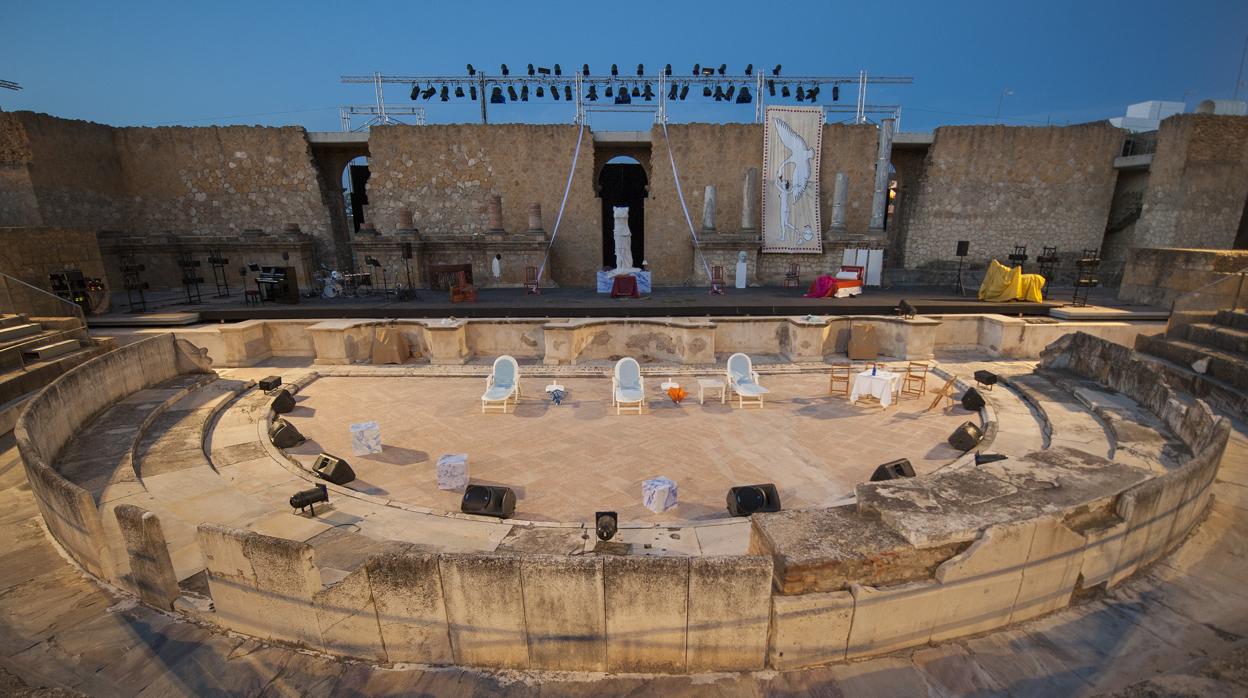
(160, 63)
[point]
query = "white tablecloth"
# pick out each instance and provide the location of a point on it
(880, 386)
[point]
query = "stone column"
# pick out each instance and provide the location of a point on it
(749, 201)
(496, 214)
(708, 209)
(535, 218)
(840, 195)
(879, 200)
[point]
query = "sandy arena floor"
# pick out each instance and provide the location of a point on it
(566, 462)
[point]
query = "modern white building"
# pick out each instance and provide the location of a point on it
(1147, 116)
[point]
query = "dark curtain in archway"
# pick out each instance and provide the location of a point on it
(623, 184)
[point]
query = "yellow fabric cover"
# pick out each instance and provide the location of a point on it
(1002, 283)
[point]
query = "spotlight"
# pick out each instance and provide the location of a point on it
(771, 87)
(649, 93)
(459, 90)
(524, 93)
(784, 91)
(429, 92)
(488, 500)
(615, 69)
(505, 71)
(622, 97)
(813, 94)
(471, 70)
(719, 93)
(667, 69)
(543, 71)
(893, 470)
(540, 92)
(751, 499)
(706, 91)
(641, 70)
(744, 96)
(472, 92)
(415, 90)
(749, 69)
(558, 70)
(801, 94)
(684, 91)
(585, 69)
(708, 71)
(906, 310)
(776, 70)
(981, 458)
(723, 68)
(531, 71)
(672, 93)
(729, 92)
(567, 92)
(304, 499)
(496, 96)
(511, 93)
(554, 92)
(593, 93)
(446, 93)
(609, 92)
(697, 69)
(836, 93)
(636, 91)
(606, 524)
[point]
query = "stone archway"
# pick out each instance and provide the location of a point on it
(623, 181)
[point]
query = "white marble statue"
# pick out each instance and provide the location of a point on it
(623, 243)
(743, 271)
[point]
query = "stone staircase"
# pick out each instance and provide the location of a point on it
(1207, 359)
(34, 352)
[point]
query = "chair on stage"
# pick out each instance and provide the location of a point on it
(945, 392)
(914, 383)
(791, 277)
(743, 380)
(502, 385)
(530, 281)
(628, 388)
(840, 379)
(461, 290)
(717, 281)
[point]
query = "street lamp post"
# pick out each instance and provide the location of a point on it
(1001, 99)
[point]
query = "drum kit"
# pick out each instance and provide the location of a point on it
(337, 284)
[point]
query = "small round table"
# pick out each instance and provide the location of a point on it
(705, 384)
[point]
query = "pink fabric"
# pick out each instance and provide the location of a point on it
(822, 287)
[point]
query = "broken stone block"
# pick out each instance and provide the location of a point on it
(365, 438)
(453, 471)
(658, 494)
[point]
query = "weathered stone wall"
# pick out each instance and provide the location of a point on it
(445, 176)
(1000, 186)
(18, 205)
(1159, 276)
(1198, 183)
(30, 254)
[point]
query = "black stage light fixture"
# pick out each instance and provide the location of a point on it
(719, 93)
(636, 91)
(459, 90)
(753, 499)
(609, 91)
(771, 87)
(496, 97)
(567, 92)
(906, 310)
(671, 94)
(836, 93)
(893, 470)
(511, 93)
(641, 70)
(801, 93)
(543, 71)
(723, 68)
(708, 72)
(622, 97)
(749, 69)
(283, 402)
(776, 70)
(270, 383)
(429, 92)
(471, 70)
(558, 70)
(606, 524)
(648, 93)
(729, 92)
(334, 469)
(554, 92)
(488, 500)
(744, 96)
(472, 92)
(986, 379)
(981, 458)
(667, 69)
(585, 69)
(446, 93)
(415, 90)
(615, 69)
(684, 91)
(697, 69)
(966, 437)
(540, 92)
(593, 93)
(706, 91)
(531, 71)
(283, 434)
(813, 94)
(304, 499)
(505, 71)
(972, 400)
(784, 91)
(524, 93)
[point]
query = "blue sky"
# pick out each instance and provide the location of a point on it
(161, 63)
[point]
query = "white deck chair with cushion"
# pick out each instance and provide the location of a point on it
(502, 385)
(743, 380)
(628, 388)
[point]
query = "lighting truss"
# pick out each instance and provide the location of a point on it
(377, 115)
(10, 85)
(762, 83)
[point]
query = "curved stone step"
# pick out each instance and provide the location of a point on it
(1070, 423)
(1229, 339)
(1237, 319)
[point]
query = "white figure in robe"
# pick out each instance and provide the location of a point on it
(623, 242)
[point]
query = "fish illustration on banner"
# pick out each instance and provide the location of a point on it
(791, 151)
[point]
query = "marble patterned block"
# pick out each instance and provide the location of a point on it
(365, 438)
(453, 471)
(658, 494)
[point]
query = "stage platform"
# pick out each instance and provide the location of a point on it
(580, 302)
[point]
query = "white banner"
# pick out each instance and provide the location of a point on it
(792, 141)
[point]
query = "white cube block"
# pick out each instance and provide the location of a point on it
(658, 494)
(453, 471)
(365, 438)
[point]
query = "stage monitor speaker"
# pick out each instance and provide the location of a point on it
(489, 500)
(753, 499)
(985, 378)
(334, 469)
(283, 434)
(283, 402)
(270, 383)
(407, 250)
(972, 400)
(964, 248)
(966, 437)
(893, 470)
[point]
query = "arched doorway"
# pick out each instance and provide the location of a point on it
(623, 182)
(354, 184)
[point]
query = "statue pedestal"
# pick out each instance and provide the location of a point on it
(605, 277)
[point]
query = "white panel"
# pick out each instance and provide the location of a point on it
(875, 267)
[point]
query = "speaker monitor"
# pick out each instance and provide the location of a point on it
(283, 434)
(283, 402)
(489, 500)
(985, 378)
(966, 437)
(753, 499)
(972, 400)
(270, 383)
(964, 248)
(893, 470)
(334, 469)
(407, 250)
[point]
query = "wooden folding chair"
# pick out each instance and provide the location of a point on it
(840, 379)
(914, 383)
(944, 393)
(717, 281)
(530, 281)
(791, 277)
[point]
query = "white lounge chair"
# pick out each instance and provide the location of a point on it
(743, 380)
(628, 388)
(502, 385)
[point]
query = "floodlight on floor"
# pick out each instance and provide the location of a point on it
(606, 524)
(304, 499)
(982, 458)
(496, 96)
(744, 96)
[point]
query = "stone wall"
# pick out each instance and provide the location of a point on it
(1198, 183)
(1000, 186)
(31, 253)
(1160, 276)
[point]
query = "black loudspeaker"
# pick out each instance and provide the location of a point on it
(893, 470)
(407, 250)
(489, 500)
(283, 434)
(966, 437)
(753, 499)
(964, 248)
(334, 469)
(284, 402)
(972, 400)
(270, 383)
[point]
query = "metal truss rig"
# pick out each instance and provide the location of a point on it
(585, 89)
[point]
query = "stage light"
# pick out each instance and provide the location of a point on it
(304, 499)
(524, 93)
(744, 97)
(697, 69)
(813, 94)
(615, 69)
(558, 70)
(606, 524)
(429, 92)
(593, 93)
(801, 94)
(609, 92)
(511, 93)
(472, 92)
(987, 379)
(415, 90)
(554, 92)
(836, 93)
(649, 93)
(471, 70)
(622, 97)
(446, 93)
(708, 71)
(729, 92)
(636, 91)
(672, 93)
(496, 96)
(706, 91)
(752, 499)
(776, 70)
(543, 71)
(504, 69)
(641, 70)
(749, 69)
(531, 71)
(771, 87)
(723, 68)
(667, 69)
(567, 92)
(719, 93)
(784, 91)
(540, 92)
(684, 91)
(459, 90)
(585, 69)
